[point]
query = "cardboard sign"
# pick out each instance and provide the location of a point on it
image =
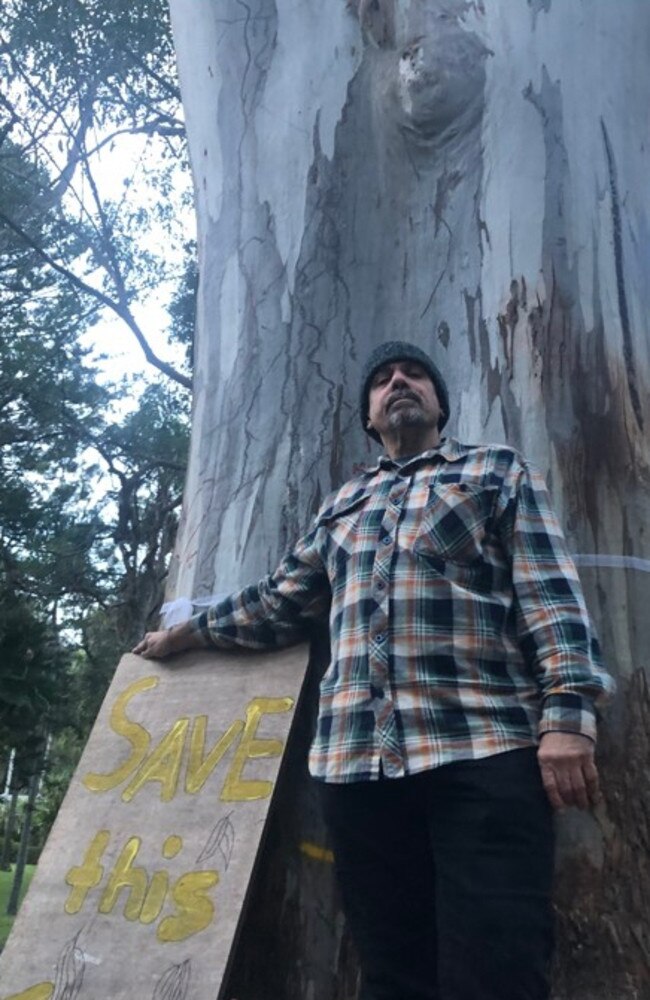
(140, 888)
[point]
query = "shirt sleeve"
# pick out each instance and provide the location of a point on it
(276, 611)
(555, 633)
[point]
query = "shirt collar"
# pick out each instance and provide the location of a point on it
(449, 450)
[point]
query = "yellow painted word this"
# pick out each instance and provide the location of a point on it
(145, 895)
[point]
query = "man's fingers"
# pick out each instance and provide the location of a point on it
(551, 787)
(592, 781)
(571, 785)
(585, 785)
(566, 786)
(147, 646)
(159, 645)
(568, 770)
(579, 795)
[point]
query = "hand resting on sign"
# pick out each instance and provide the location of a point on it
(166, 642)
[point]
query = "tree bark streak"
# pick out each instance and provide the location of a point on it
(628, 353)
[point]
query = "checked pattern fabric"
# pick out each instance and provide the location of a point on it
(457, 621)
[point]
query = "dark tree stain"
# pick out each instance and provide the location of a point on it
(470, 308)
(536, 324)
(498, 384)
(507, 321)
(377, 18)
(585, 419)
(443, 333)
(502, 323)
(538, 5)
(628, 352)
(603, 932)
(524, 293)
(336, 452)
(445, 185)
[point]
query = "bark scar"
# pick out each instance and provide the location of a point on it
(628, 351)
(377, 20)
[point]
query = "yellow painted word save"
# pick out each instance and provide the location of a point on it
(164, 762)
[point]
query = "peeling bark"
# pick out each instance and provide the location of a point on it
(473, 177)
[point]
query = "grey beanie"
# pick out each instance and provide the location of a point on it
(399, 350)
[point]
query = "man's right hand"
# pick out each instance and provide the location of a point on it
(158, 645)
(568, 770)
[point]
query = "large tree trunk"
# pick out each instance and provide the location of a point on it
(473, 177)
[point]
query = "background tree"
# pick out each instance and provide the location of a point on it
(96, 568)
(462, 174)
(90, 470)
(78, 81)
(32, 688)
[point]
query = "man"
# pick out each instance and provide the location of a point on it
(458, 707)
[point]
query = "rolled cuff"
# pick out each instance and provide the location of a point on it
(198, 625)
(568, 713)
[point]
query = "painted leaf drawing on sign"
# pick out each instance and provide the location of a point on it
(221, 841)
(174, 983)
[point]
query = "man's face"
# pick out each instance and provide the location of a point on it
(402, 395)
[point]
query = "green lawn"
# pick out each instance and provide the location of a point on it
(5, 891)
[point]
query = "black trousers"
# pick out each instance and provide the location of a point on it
(446, 880)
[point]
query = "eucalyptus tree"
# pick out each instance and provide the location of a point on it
(471, 176)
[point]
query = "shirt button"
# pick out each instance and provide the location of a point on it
(380, 637)
(380, 584)
(387, 539)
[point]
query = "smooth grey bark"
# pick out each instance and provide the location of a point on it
(471, 176)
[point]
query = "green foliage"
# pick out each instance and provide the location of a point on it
(63, 756)
(32, 681)
(79, 82)
(89, 500)
(6, 881)
(182, 308)
(146, 457)
(50, 402)
(92, 50)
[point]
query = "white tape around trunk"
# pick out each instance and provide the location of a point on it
(613, 561)
(182, 609)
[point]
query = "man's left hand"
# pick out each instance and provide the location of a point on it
(569, 772)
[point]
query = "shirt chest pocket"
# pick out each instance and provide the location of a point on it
(346, 525)
(455, 522)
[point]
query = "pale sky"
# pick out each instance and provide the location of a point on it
(111, 337)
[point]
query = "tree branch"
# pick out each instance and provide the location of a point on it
(120, 308)
(164, 84)
(147, 128)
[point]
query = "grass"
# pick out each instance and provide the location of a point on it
(6, 879)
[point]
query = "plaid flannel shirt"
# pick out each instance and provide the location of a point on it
(457, 621)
